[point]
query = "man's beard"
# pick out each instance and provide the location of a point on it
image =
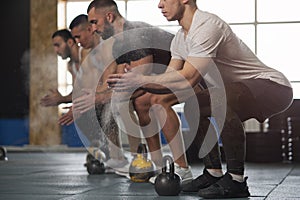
(108, 30)
(66, 54)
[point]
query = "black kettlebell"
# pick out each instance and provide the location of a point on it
(167, 183)
(141, 169)
(93, 165)
(3, 153)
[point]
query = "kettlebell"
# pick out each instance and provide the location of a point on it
(3, 153)
(94, 163)
(141, 169)
(167, 183)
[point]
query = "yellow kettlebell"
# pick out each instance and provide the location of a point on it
(141, 169)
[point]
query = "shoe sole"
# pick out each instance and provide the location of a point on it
(109, 171)
(185, 181)
(213, 196)
(122, 174)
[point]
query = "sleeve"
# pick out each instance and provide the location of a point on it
(175, 48)
(206, 41)
(133, 46)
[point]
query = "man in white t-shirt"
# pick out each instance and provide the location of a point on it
(65, 46)
(236, 86)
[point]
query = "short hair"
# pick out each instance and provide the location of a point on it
(104, 4)
(63, 33)
(79, 20)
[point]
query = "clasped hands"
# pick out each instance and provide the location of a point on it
(129, 81)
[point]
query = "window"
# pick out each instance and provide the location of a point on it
(271, 28)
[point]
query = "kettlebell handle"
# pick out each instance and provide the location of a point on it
(168, 159)
(142, 149)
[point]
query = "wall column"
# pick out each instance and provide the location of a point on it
(44, 129)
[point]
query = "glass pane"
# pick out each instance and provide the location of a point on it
(278, 10)
(278, 47)
(245, 33)
(61, 15)
(62, 75)
(121, 7)
(296, 90)
(147, 11)
(230, 10)
(74, 9)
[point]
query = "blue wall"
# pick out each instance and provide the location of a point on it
(70, 136)
(14, 132)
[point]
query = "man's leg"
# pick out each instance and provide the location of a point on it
(88, 125)
(162, 112)
(134, 136)
(149, 128)
(233, 184)
(198, 125)
(111, 131)
(171, 125)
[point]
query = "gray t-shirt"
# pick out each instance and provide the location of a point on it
(210, 36)
(139, 40)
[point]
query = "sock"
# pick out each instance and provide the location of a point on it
(177, 165)
(236, 177)
(215, 173)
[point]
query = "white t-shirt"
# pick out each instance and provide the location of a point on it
(78, 72)
(210, 36)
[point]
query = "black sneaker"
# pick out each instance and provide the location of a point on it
(202, 181)
(226, 188)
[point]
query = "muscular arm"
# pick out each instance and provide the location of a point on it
(180, 75)
(141, 66)
(103, 92)
(54, 97)
(188, 76)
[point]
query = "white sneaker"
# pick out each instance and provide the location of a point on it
(123, 171)
(152, 179)
(109, 170)
(185, 174)
(116, 163)
(97, 153)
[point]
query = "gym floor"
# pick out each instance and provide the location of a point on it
(61, 175)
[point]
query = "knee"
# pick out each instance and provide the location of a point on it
(141, 105)
(158, 100)
(233, 127)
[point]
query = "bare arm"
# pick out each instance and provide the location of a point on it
(54, 97)
(189, 74)
(141, 66)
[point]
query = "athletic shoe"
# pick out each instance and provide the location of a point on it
(96, 153)
(202, 181)
(123, 171)
(226, 187)
(116, 163)
(109, 170)
(185, 174)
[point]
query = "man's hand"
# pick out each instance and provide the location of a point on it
(66, 119)
(129, 81)
(52, 99)
(84, 102)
